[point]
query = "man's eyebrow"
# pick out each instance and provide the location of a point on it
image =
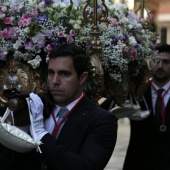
(49, 69)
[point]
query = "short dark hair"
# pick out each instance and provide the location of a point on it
(81, 60)
(163, 48)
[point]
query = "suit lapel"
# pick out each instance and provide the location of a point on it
(148, 98)
(167, 116)
(78, 114)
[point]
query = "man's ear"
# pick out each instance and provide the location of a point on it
(83, 78)
(150, 64)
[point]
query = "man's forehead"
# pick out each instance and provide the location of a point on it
(163, 55)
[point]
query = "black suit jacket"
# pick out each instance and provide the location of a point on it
(86, 140)
(149, 149)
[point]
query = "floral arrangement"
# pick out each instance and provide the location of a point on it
(127, 43)
(29, 30)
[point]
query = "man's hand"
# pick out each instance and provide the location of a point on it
(36, 107)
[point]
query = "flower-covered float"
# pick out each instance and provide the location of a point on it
(29, 30)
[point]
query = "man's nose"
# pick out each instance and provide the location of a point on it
(56, 79)
(159, 64)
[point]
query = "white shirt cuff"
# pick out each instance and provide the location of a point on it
(41, 135)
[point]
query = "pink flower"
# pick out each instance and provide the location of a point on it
(20, 23)
(126, 49)
(70, 39)
(133, 54)
(4, 33)
(48, 47)
(26, 22)
(12, 32)
(2, 16)
(8, 28)
(8, 20)
(142, 20)
(123, 20)
(25, 16)
(91, 10)
(72, 32)
(61, 34)
(40, 8)
(15, 7)
(34, 13)
(3, 8)
(113, 21)
(119, 27)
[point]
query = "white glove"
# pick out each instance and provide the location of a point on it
(36, 107)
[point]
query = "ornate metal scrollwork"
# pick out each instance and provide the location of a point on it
(96, 44)
(15, 74)
(98, 75)
(142, 7)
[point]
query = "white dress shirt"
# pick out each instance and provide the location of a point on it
(49, 123)
(154, 94)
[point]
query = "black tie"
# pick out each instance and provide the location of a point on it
(158, 106)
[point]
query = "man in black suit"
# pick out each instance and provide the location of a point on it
(87, 135)
(149, 145)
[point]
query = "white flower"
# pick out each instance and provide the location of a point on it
(76, 26)
(130, 26)
(35, 63)
(79, 22)
(55, 5)
(5, 52)
(142, 31)
(17, 45)
(62, 5)
(139, 25)
(35, 39)
(123, 19)
(27, 30)
(132, 40)
(120, 8)
(72, 21)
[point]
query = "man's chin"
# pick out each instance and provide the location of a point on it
(162, 78)
(58, 99)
